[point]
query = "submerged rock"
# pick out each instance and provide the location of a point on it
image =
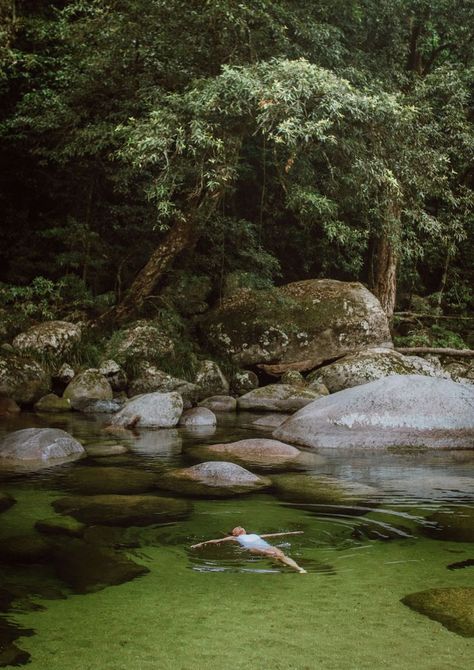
(390, 412)
(326, 493)
(219, 403)
(259, 453)
(105, 450)
(24, 549)
(92, 480)
(87, 406)
(60, 525)
(86, 567)
(6, 501)
(277, 398)
(23, 379)
(8, 407)
(270, 421)
(88, 385)
(39, 447)
(53, 403)
(297, 326)
(154, 410)
(123, 510)
(452, 607)
(213, 478)
(367, 366)
(455, 524)
(198, 416)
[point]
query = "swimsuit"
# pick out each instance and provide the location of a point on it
(253, 541)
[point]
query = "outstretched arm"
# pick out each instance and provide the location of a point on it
(291, 532)
(230, 538)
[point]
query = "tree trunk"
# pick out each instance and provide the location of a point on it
(385, 280)
(179, 238)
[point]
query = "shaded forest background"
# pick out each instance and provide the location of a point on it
(157, 154)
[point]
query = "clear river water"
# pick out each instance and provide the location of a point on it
(221, 607)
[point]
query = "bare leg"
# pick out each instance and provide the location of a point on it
(278, 555)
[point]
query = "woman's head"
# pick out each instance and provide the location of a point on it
(238, 530)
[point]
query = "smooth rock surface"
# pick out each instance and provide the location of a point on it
(270, 421)
(259, 453)
(198, 416)
(219, 403)
(390, 412)
(154, 410)
(297, 326)
(106, 450)
(277, 398)
(123, 510)
(39, 447)
(452, 607)
(213, 478)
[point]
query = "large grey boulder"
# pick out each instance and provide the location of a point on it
(367, 366)
(23, 379)
(277, 398)
(210, 379)
(88, 385)
(297, 326)
(398, 411)
(259, 453)
(53, 339)
(197, 417)
(213, 478)
(154, 410)
(39, 447)
(149, 379)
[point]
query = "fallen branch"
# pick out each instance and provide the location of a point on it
(438, 351)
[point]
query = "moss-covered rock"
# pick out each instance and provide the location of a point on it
(210, 379)
(142, 341)
(277, 398)
(53, 403)
(299, 325)
(51, 339)
(23, 379)
(452, 607)
(88, 385)
(244, 381)
(455, 524)
(24, 549)
(123, 510)
(369, 365)
(293, 378)
(114, 374)
(214, 478)
(93, 480)
(150, 379)
(325, 493)
(60, 525)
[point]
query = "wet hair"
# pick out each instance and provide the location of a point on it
(237, 528)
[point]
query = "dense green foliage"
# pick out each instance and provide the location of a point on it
(295, 139)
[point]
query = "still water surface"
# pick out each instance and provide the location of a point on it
(221, 607)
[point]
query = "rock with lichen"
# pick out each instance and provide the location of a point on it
(297, 326)
(23, 379)
(277, 398)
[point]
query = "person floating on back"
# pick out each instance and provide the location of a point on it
(257, 545)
